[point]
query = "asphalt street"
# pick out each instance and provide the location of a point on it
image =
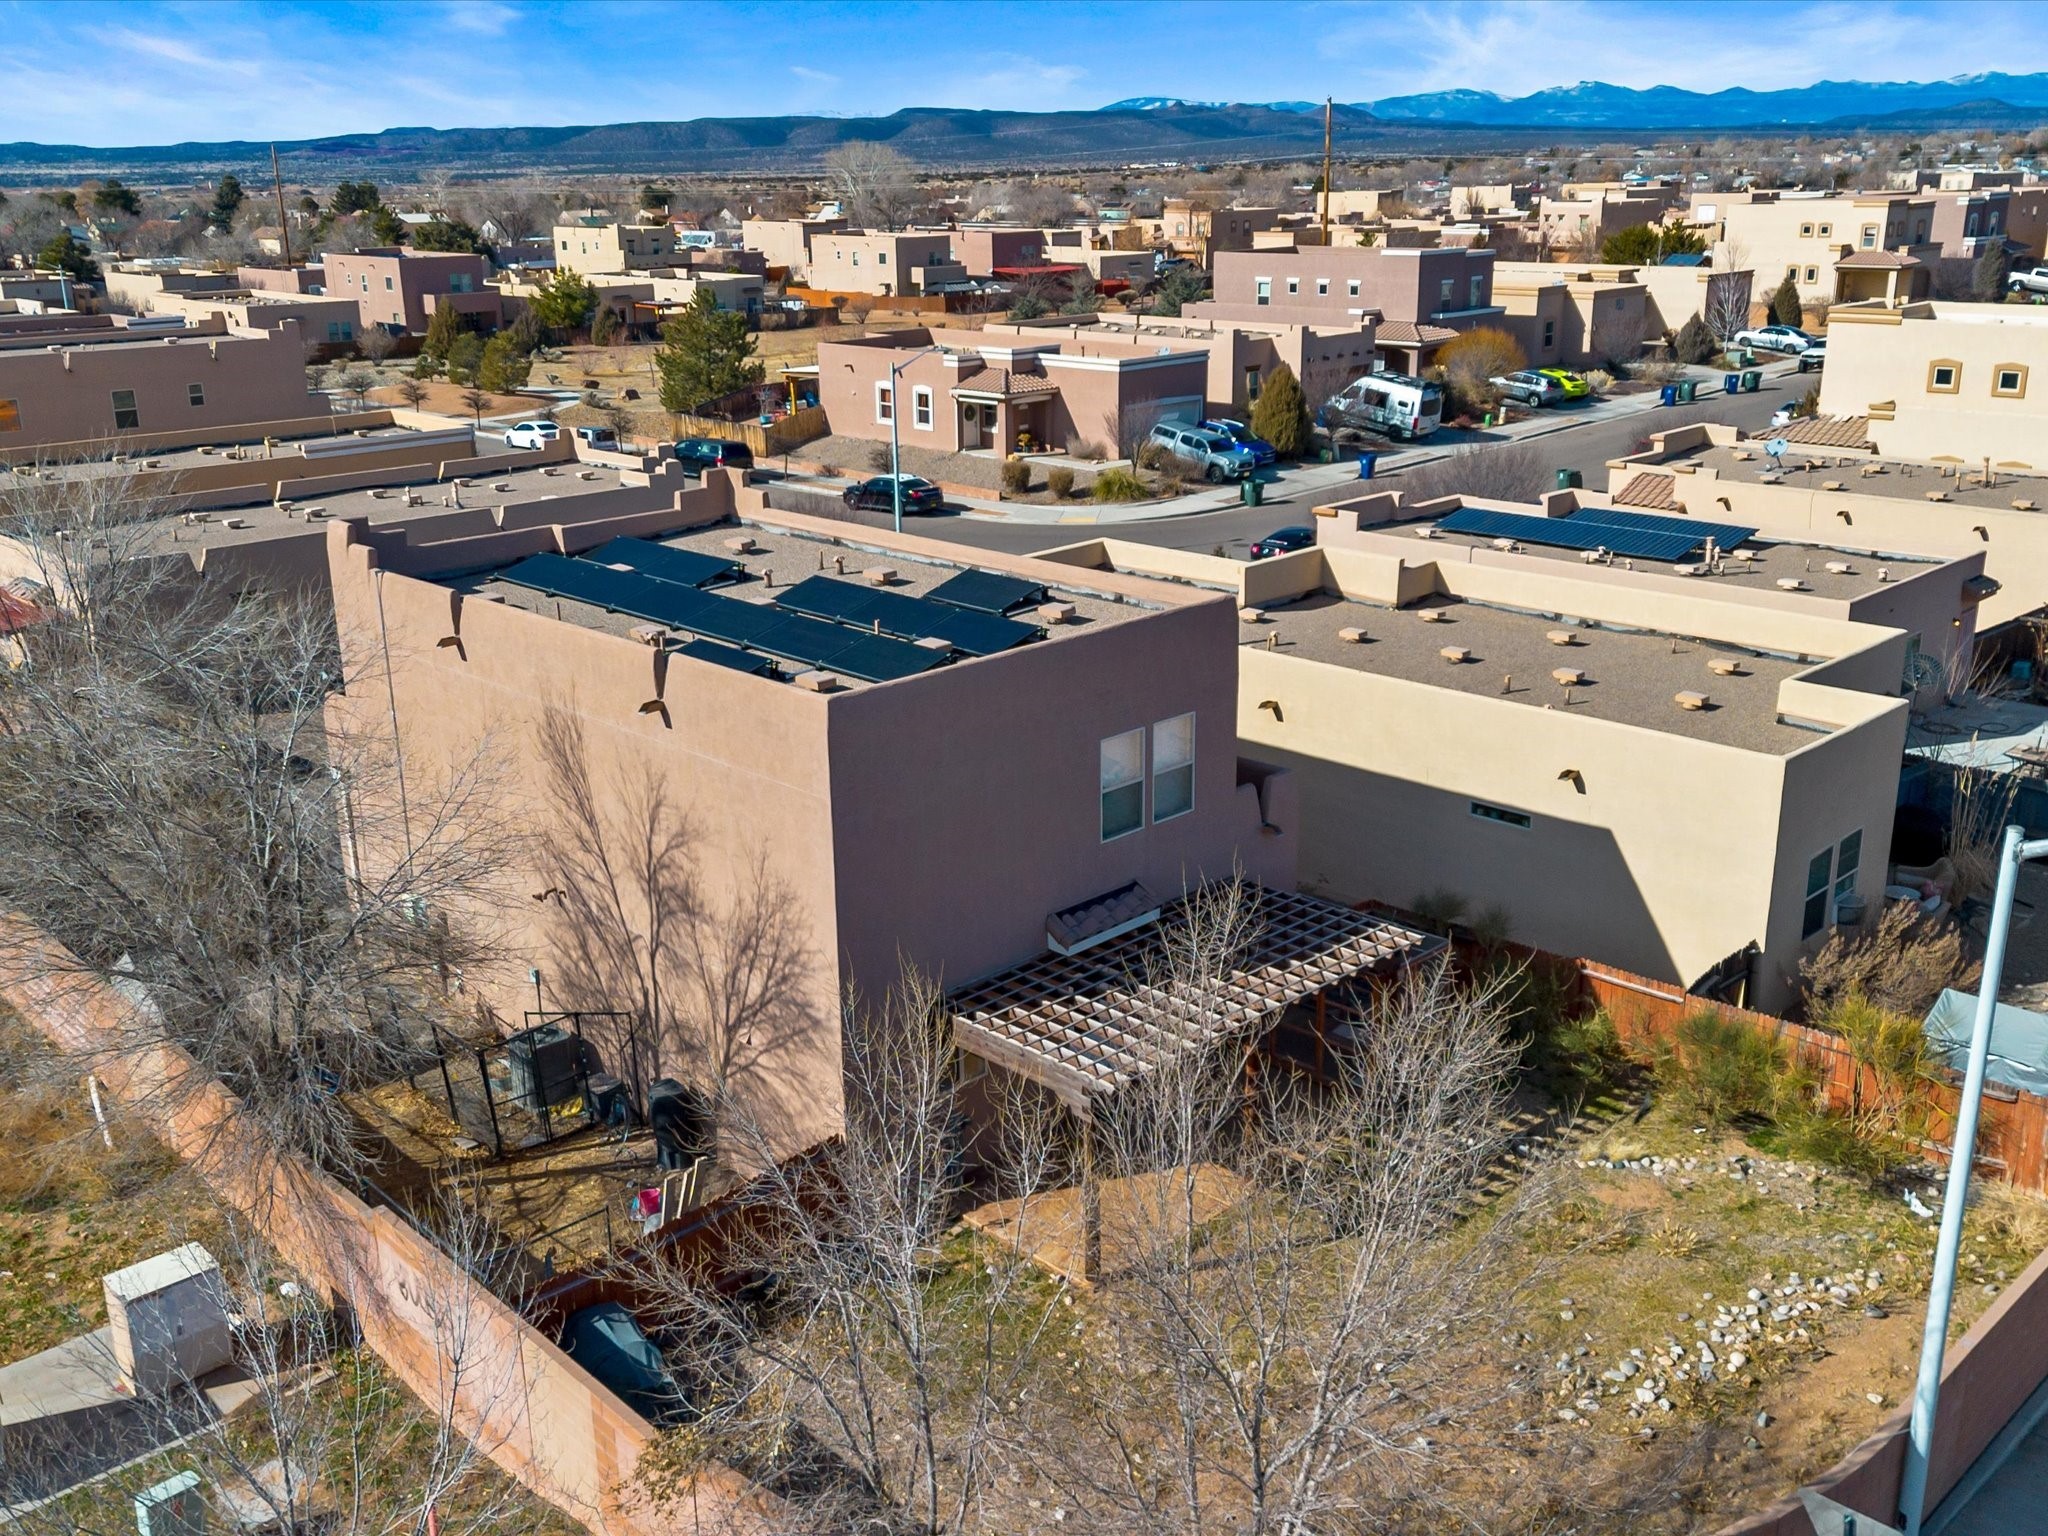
(1586, 448)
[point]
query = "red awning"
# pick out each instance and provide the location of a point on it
(1051, 271)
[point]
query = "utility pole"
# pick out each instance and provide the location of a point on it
(1326, 170)
(284, 228)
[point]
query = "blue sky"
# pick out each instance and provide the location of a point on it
(109, 72)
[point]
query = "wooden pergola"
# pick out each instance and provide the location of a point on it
(1082, 1026)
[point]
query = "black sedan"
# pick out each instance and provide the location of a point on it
(879, 495)
(1284, 541)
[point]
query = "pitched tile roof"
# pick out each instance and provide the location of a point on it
(1007, 384)
(1406, 333)
(1879, 259)
(1828, 431)
(1650, 491)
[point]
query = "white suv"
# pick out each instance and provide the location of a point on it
(531, 434)
(1776, 338)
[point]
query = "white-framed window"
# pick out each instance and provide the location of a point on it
(1819, 870)
(885, 402)
(1805, 231)
(1944, 376)
(1173, 767)
(1870, 237)
(1322, 287)
(126, 417)
(2009, 380)
(1826, 230)
(1352, 288)
(1813, 274)
(1263, 289)
(1294, 285)
(1500, 815)
(387, 285)
(921, 407)
(1123, 784)
(195, 394)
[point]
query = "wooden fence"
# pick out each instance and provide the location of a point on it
(2012, 1141)
(778, 437)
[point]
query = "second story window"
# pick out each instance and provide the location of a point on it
(1173, 767)
(1322, 286)
(1478, 293)
(1447, 293)
(195, 394)
(1870, 237)
(885, 403)
(1352, 287)
(458, 282)
(1123, 784)
(921, 408)
(1294, 285)
(126, 417)
(387, 285)
(1263, 289)
(10, 416)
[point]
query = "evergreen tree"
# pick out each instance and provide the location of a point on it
(706, 353)
(67, 253)
(604, 326)
(442, 330)
(356, 197)
(465, 357)
(228, 198)
(565, 302)
(1280, 414)
(111, 197)
(502, 367)
(1988, 278)
(1785, 306)
(524, 332)
(449, 235)
(1183, 285)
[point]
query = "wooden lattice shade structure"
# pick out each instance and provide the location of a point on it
(1082, 1026)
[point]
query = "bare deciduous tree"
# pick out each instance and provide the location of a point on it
(176, 811)
(875, 183)
(1503, 472)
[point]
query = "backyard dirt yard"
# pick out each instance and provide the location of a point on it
(71, 1209)
(1699, 1292)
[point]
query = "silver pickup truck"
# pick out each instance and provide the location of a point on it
(2035, 282)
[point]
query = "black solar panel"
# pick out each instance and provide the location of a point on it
(811, 641)
(580, 581)
(982, 634)
(873, 659)
(730, 620)
(1569, 533)
(986, 592)
(1725, 535)
(726, 656)
(903, 617)
(685, 567)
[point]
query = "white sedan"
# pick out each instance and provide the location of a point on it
(531, 434)
(1776, 338)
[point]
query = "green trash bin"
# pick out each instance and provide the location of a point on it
(1253, 490)
(1687, 389)
(1752, 380)
(1570, 480)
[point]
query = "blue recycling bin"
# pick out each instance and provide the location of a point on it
(1366, 462)
(1732, 383)
(1669, 394)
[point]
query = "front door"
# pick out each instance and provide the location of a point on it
(970, 425)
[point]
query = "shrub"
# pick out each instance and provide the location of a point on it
(1280, 415)
(1663, 371)
(1899, 967)
(1470, 359)
(878, 459)
(1060, 481)
(1117, 484)
(1694, 342)
(1152, 455)
(1599, 380)
(1082, 448)
(1014, 477)
(1785, 306)
(1718, 1069)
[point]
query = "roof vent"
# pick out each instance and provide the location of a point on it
(1056, 613)
(1251, 615)
(1840, 568)
(1455, 654)
(1702, 568)
(1431, 615)
(648, 634)
(1561, 637)
(234, 522)
(1570, 677)
(818, 682)
(881, 575)
(933, 643)
(313, 512)
(1590, 556)
(1791, 584)
(1725, 666)
(1747, 556)
(1506, 546)
(1351, 636)
(741, 545)
(1689, 699)
(502, 485)
(1426, 531)
(1884, 573)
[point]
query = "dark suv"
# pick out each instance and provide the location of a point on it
(1284, 541)
(879, 495)
(697, 454)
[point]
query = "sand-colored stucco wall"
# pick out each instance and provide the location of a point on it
(1881, 363)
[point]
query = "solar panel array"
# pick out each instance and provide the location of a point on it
(904, 617)
(1725, 535)
(1569, 533)
(821, 622)
(986, 592)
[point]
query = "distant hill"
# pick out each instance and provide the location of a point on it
(1140, 129)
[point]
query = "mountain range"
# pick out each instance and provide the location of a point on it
(1594, 104)
(1136, 130)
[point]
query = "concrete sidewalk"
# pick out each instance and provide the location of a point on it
(1305, 485)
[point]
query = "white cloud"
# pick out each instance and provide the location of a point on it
(815, 76)
(479, 16)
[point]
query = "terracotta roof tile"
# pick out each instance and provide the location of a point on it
(1406, 333)
(1649, 491)
(1828, 431)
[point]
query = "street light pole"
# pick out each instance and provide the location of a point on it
(2012, 853)
(895, 441)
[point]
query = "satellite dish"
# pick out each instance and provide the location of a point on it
(1776, 447)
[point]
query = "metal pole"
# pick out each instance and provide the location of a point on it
(1941, 1293)
(895, 442)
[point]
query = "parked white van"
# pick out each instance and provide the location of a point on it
(1392, 404)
